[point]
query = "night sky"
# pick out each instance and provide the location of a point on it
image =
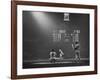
(37, 34)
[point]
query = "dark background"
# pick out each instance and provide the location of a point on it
(37, 38)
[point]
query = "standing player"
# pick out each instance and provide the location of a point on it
(76, 45)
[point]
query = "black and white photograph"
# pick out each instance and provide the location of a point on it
(55, 39)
